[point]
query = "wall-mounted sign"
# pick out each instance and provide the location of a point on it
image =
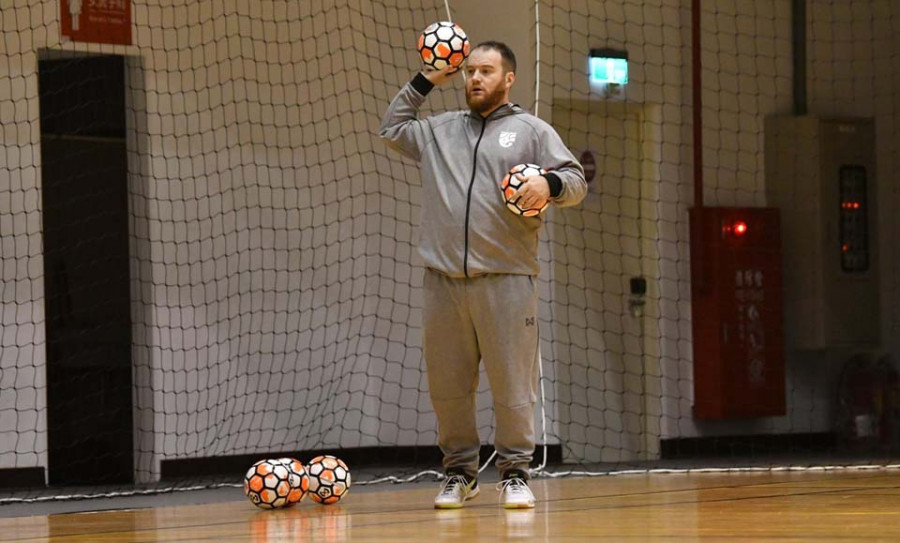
(609, 66)
(96, 21)
(589, 163)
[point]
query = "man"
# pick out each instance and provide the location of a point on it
(480, 289)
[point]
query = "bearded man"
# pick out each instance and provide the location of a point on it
(481, 266)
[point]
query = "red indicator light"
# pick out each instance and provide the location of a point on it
(734, 228)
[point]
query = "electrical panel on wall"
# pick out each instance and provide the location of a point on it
(820, 173)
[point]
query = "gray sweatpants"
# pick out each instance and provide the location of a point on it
(491, 317)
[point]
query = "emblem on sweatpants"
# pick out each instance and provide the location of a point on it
(507, 139)
(529, 321)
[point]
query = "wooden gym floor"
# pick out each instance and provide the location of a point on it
(841, 505)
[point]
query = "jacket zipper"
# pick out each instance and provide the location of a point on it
(469, 196)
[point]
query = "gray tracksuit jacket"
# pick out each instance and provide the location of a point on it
(466, 230)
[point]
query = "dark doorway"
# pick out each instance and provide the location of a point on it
(86, 270)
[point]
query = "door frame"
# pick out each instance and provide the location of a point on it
(649, 121)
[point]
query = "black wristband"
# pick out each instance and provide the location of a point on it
(555, 184)
(421, 84)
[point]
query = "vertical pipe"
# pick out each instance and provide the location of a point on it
(798, 41)
(696, 81)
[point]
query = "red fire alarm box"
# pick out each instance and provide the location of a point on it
(737, 314)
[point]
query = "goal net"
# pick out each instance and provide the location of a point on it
(209, 257)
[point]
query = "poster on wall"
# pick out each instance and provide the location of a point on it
(589, 163)
(96, 21)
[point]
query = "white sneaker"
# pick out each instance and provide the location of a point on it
(515, 494)
(456, 490)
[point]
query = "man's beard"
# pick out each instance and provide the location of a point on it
(486, 102)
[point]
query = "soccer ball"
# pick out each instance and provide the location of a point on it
(298, 478)
(329, 479)
(443, 43)
(511, 184)
(276, 483)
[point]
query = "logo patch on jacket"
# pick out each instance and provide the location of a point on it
(507, 139)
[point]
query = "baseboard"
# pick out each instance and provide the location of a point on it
(747, 446)
(22, 478)
(368, 457)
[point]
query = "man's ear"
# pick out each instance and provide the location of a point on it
(510, 79)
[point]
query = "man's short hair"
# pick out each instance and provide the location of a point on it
(506, 54)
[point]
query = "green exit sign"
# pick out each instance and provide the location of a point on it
(609, 66)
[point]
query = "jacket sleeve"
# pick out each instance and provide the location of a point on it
(565, 174)
(401, 127)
